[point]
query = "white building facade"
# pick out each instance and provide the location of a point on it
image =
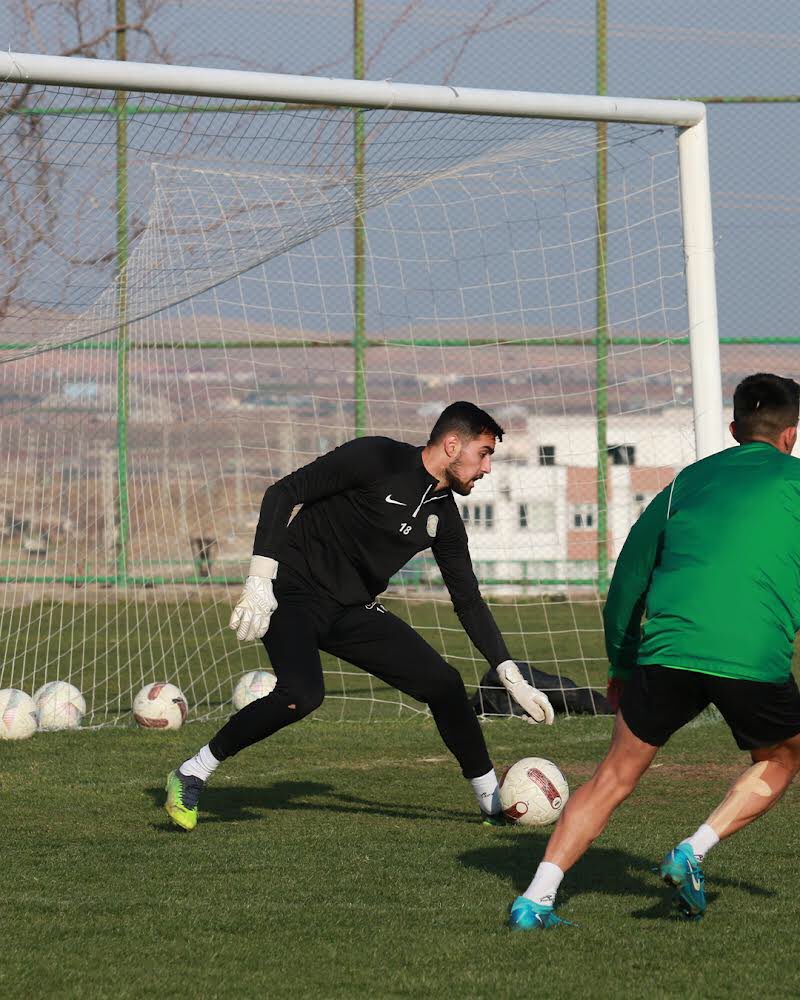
(533, 523)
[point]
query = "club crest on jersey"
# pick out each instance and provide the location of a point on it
(432, 525)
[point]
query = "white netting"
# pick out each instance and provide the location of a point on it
(135, 453)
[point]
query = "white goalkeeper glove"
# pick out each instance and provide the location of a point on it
(535, 703)
(250, 618)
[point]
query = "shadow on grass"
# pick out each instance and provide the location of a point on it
(606, 870)
(241, 803)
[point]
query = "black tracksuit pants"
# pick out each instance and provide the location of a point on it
(307, 621)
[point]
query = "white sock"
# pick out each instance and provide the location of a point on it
(487, 792)
(202, 765)
(701, 841)
(545, 884)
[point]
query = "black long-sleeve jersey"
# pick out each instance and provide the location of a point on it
(368, 507)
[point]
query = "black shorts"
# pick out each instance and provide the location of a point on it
(657, 701)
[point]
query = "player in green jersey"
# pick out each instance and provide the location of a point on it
(714, 564)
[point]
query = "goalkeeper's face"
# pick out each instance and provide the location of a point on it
(471, 462)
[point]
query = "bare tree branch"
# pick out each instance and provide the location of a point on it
(31, 182)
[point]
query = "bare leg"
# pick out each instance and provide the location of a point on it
(758, 789)
(589, 808)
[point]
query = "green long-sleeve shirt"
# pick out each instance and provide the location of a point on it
(714, 563)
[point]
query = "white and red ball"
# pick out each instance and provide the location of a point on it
(251, 686)
(17, 715)
(160, 706)
(533, 792)
(59, 705)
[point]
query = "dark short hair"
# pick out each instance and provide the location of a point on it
(465, 419)
(764, 405)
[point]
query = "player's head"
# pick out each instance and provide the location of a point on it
(466, 436)
(766, 408)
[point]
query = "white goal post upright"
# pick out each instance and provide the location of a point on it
(689, 116)
(478, 263)
(701, 288)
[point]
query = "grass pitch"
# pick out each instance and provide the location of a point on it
(111, 648)
(345, 861)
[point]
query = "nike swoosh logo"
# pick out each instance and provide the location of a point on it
(695, 882)
(398, 502)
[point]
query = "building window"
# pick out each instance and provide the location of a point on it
(543, 516)
(547, 454)
(584, 516)
(622, 454)
(538, 516)
(478, 515)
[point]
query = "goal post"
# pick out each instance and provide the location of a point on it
(688, 116)
(701, 287)
(181, 323)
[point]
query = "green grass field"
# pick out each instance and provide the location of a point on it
(345, 860)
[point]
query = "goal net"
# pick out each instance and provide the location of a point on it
(200, 294)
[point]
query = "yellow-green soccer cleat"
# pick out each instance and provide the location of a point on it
(495, 819)
(183, 791)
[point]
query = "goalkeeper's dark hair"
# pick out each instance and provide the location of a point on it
(764, 405)
(465, 419)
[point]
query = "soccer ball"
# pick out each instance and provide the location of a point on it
(160, 706)
(533, 792)
(17, 715)
(251, 686)
(59, 705)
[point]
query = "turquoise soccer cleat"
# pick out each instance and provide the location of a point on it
(681, 870)
(526, 915)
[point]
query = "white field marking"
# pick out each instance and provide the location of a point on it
(373, 765)
(601, 736)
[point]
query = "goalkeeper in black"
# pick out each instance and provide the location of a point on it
(367, 508)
